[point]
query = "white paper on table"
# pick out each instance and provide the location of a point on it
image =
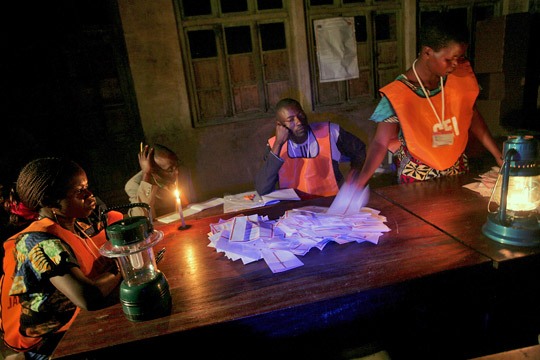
(236, 251)
(190, 210)
(280, 260)
(198, 207)
(169, 218)
(373, 228)
(366, 236)
(480, 188)
(486, 182)
(279, 195)
(313, 209)
(241, 230)
(244, 230)
(238, 202)
(253, 237)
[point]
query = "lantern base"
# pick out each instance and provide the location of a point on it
(520, 232)
(146, 301)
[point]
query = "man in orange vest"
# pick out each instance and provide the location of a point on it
(306, 157)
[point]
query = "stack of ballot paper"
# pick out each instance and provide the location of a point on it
(279, 242)
(485, 182)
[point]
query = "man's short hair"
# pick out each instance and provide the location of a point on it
(158, 148)
(286, 102)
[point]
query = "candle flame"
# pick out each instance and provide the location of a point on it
(177, 194)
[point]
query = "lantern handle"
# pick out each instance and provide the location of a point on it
(504, 186)
(129, 206)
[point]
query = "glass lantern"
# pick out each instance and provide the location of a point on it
(144, 292)
(514, 206)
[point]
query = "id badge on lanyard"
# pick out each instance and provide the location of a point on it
(443, 138)
(442, 135)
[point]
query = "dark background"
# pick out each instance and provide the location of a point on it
(67, 92)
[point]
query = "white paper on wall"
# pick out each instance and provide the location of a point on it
(336, 49)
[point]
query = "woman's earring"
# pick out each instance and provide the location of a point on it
(54, 214)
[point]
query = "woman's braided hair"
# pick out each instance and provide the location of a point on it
(44, 182)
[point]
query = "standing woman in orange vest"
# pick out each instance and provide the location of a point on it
(425, 115)
(52, 268)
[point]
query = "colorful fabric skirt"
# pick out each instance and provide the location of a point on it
(410, 169)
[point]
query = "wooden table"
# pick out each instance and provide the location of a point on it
(455, 210)
(530, 352)
(513, 314)
(216, 299)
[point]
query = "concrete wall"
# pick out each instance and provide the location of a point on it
(222, 158)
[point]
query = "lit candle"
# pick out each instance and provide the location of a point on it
(179, 203)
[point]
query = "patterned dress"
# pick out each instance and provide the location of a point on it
(41, 256)
(410, 169)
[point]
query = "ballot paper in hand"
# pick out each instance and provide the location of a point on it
(349, 200)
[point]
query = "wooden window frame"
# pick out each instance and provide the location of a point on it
(470, 6)
(229, 92)
(369, 9)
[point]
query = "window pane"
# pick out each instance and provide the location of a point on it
(385, 27)
(238, 39)
(273, 36)
(321, 2)
(269, 4)
(202, 44)
(360, 28)
(196, 7)
(228, 6)
(482, 13)
(459, 17)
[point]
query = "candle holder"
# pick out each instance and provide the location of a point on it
(514, 205)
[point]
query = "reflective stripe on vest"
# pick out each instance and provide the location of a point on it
(417, 119)
(313, 176)
(10, 309)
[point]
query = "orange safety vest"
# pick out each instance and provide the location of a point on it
(417, 119)
(310, 175)
(10, 309)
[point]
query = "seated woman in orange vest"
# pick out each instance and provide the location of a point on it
(305, 156)
(53, 267)
(426, 113)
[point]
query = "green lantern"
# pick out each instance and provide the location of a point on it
(144, 292)
(514, 206)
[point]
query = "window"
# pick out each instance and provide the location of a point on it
(236, 57)
(464, 13)
(378, 48)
